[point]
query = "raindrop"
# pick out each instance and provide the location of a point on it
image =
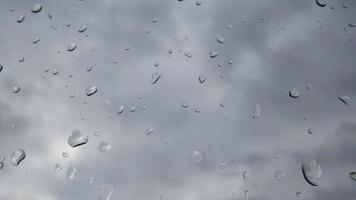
(198, 3)
(65, 155)
(298, 195)
(58, 167)
(89, 68)
(352, 175)
(71, 47)
(345, 99)
(197, 157)
(170, 51)
(133, 109)
(352, 25)
(71, 172)
(154, 20)
(156, 64)
(17, 156)
(244, 175)
(197, 110)
(104, 146)
(12, 10)
(188, 54)
(82, 28)
(21, 59)
(246, 194)
(311, 171)
(256, 111)
(121, 109)
(1, 67)
(345, 6)
(20, 18)
(294, 93)
(220, 39)
(90, 90)
(16, 89)
(1, 165)
(279, 174)
(36, 40)
(105, 192)
(155, 77)
(55, 71)
(36, 8)
(184, 104)
(309, 86)
(229, 26)
(149, 131)
(310, 131)
(77, 139)
(213, 54)
(202, 79)
(321, 3)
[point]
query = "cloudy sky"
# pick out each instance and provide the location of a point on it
(266, 48)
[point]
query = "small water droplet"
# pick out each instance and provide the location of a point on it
(279, 174)
(105, 192)
(352, 175)
(184, 104)
(310, 131)
(104, 146)
(170, 51)
(21, 59)
(16, 89)
(202, 79)
(154, 20)
(213, 54)
(90, 90)
(244, 175)
(77, 138)
(36, 40)
(220, 39)
(36, 8)
(91, 180)
(55, 71)
(198, 3)
(246, 194)
(20, 18)
(1, 67)
(188, 54)
(345, 99)
(71, 47)
(197, 157)
(321, 3)
(222, 164)
(298, 195)
(120, 110)
(149, 131)
(2, 165)
(58, 167)
(294, 93)
(156, 64)
(17, 156)
(155, 77)
(197, 110)
(256, 111)
(65, 155)
(71, 172)
(133, 109)
(311, 171)
(309, 86)
(82, 28)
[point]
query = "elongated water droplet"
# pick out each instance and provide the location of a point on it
(105, 192)
(71, 47)
(256, 111)
(120, 110)
(90, 90)
(202, 79)
(20, 18)
(197, 157)
(345, 99)
(321, 3)
(104, 146)
(17, 156)
(155, 77)
(220, 39)
(82, 28)
(188, 54)
(149, 131)
(36, 8)
(36, 40)
(2, 165)
(71, 172)
(279, 174)
(1, 67)
(352, 175)
(77, 138)
(16, 89)
(213, 54)
(294, 93)
(58, 167)
(244, 175)
(311, 171)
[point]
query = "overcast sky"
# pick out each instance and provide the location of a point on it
(268, 48)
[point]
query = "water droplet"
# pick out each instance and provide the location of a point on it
(133, 109)
(309, 86)
(321, 3)
(310, 131)
(105, 192)
(36, 40)
(311, 171)
(345, 6)
(184, 104)
(36, 8)
(213, 54)
(244, 175)
(154, 20)
(1, 165)
(89, 68)
(345, 99)
(352, 175)
(197, 157)
(90, 90)
(352, 25)
(188, 54)
(246, 194)
(1, 67)
(12, 10)
(256, 111)
(65, 155)
(82, 28)
(149, 131)
(279, 174)
(121, 109)
(71, 47)
(20, 18)
(71, 172)
(55, 71)
(298, 195)
(58, 167)
(77, 139)
(156, 64)
(91, 180)
(16, 89)
(170, 51)
(202, 79)
(155, 77)
(104, 146)
(222, 164)
(220, 39)
(17, 156)
(21, 59)
(229, 26)
(294, 93)
(197, 110)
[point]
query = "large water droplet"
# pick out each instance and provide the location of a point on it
(149, 131)
(213, 54)
(279, 174)
(155, 77)
(71, 47)
(105, 192)
(90, 90)
(321, 3)
(77, 138)
(256, 111)
(58, 167)
(197, 157)
(104, 146)
(352, 175)
(345, 99)
(311, 171)
(16, 89)
(294, 93)
(82, 28)
(71, 172)
(17, 156)
(20, 18)
(36, 8)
